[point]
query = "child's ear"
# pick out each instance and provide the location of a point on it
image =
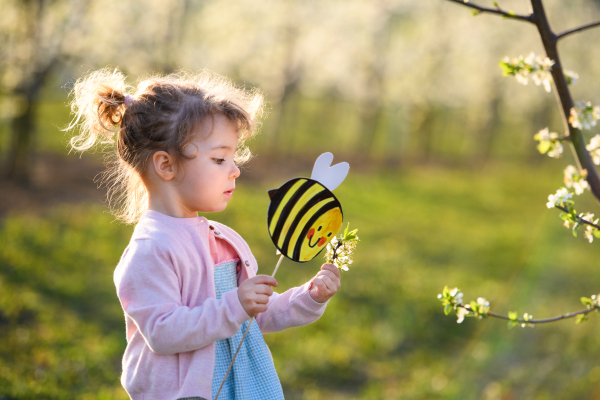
(164, 165)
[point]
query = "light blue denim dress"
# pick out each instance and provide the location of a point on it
(253, 375)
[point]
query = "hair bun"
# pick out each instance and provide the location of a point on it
(98, 103)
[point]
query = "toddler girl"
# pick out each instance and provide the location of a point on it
(188, 285)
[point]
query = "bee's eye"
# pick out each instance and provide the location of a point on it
(319, 228)
(329, 234)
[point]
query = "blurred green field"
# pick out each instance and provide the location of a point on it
(384, 336)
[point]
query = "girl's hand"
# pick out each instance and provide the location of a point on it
(324, 285)
(254, 294)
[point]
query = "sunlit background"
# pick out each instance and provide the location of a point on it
(445, 186)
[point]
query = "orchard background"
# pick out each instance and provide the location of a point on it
(446, 187)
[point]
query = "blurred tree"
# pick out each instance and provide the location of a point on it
(34, 36)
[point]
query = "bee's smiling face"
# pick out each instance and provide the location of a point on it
(320, 233)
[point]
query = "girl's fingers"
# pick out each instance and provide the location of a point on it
(264, 289)
(264, 279)
(328, 283)
(261, 299)
(334, 279)
(321, 287)
(332, 268)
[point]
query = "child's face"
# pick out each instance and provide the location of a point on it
(207, 181)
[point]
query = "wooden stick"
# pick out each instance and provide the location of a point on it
(244, 337)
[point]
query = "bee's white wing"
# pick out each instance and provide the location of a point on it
(328, 175)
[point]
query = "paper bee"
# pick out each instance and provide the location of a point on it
(304, 214)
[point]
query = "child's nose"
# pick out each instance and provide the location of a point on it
(235, 172)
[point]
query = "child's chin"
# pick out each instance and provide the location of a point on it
(215, 209)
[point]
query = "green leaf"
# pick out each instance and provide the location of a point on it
(507, 69)
(512, 324)
(446, 291)
(475, 12)
(474, 306)
(586, 301)
(597, 233)
(513, 315)
(447, 309)
(575, 230)
(581, 318)
(544, 147)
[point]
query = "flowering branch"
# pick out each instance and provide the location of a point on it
(497, 10)
(561, 81)
(581, 28)
(452, 300)
(580, 219)
(341, 249)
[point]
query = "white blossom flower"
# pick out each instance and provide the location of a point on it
(543, 135)
(532, 65)
(573, 179)
(589, 233)
(584, 115)
(339, 251)
(483, 302)
(594, 149)
(561, 196)
(460, 314)
(549, 143)
(580, 186)
(571, 76)
(556, 150)
(589, 230)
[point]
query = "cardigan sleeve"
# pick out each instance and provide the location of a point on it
(150, 294)
(293, 308)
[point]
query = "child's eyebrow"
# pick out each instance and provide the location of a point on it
(222, 147)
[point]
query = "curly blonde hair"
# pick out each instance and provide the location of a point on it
(164, 114)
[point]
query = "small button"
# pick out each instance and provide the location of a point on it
(217, 232)
(247, 263)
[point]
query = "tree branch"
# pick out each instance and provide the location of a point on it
(581, 220)
(564, 99)
(497, 10)
(581, 28)
(536, 321)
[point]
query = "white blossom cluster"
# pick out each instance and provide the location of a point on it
(482, 306)
(589, 230)
(549, 143)
(594, 149)
(584, 115)
(533, 66)
(571, 76)
(561, 196)
(574, 179)
(340, 251)
(460, 314)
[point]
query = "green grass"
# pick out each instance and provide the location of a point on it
(383, 336)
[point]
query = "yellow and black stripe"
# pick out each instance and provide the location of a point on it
(294, 208)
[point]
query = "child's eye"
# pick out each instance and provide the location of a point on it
(218, 160)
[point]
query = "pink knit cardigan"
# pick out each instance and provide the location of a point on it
(165, 284)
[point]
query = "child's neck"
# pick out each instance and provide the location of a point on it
(167, 203)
